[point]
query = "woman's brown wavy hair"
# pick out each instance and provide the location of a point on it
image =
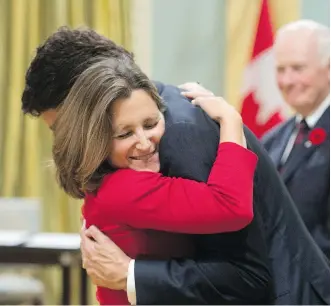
(83, 128)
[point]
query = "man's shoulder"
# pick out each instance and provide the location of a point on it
(163, 88)
(166, 89)
(179, 109)
(172, 96)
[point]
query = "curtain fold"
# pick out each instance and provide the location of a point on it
(25, 142)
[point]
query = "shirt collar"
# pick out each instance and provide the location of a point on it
(312, 119)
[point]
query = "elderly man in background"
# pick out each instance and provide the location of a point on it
(300, 147)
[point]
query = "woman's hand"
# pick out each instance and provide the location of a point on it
(221, 111)
(193, 90)
(218, 109)
(230, 120)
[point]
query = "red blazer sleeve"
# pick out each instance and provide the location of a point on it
(148, 200)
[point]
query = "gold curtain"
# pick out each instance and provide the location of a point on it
(240, 24)
(25, 142)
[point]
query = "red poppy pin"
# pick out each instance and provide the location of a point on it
(317, 136)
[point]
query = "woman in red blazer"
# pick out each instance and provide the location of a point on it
(109, 155)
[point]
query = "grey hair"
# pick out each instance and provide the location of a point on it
(321, 32)
(83, 128)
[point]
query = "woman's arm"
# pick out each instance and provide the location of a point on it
(151, 201)
(225, 203)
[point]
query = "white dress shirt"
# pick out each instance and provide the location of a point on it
(311, 121)
(131, 285)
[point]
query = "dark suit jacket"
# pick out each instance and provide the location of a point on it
(307, 178)
(233, 268)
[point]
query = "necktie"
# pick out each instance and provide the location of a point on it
(302, 136)
(298, 146)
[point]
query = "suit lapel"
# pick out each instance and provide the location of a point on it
(324, 123)
(295, 163)
(277, 152)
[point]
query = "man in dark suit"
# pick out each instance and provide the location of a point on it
(232, 268)
(300, 147)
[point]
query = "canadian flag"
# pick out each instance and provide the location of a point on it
(263, 106)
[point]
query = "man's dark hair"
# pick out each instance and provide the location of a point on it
(59, 61)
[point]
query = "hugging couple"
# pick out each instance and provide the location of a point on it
(182, 205)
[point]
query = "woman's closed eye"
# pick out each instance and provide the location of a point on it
(150, 125)
(146, 126)
(123, 135)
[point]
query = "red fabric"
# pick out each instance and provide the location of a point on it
(250, 107)
(129, 202)
(264, 33)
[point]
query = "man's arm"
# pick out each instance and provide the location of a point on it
(190, 151)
